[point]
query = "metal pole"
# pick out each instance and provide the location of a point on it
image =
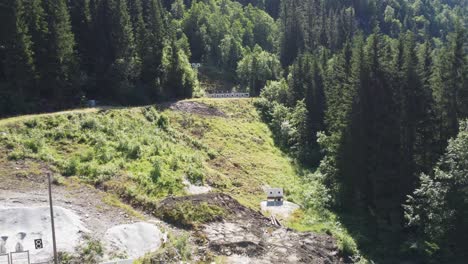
(52, 220)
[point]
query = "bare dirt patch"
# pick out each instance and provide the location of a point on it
(196, 108)
(244, 235)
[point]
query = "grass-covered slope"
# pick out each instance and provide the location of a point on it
(245, 158)
(145, 152)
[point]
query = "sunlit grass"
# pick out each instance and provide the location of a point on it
(143, 155)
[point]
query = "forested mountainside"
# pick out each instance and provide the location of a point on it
(372, 93)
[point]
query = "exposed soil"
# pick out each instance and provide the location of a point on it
(246, 236)
(196, 108)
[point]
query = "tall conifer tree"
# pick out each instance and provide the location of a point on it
(61, 63)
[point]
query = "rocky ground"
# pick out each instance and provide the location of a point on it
(196, 108)
(246, 236)
(242, 236)
(100, 216)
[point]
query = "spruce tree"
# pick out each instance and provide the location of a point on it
(60, 76)
(18, 62)
(153, 43)
(381, 187)
(417, 123)
(449, 85)
(38, 29)
(315, 105)
(292, 39)
(459, 70)
(118, 66)
(81, 20)
(135, 10)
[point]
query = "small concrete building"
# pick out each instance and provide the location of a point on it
(274, 196)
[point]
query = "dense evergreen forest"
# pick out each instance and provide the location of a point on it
(373, 93)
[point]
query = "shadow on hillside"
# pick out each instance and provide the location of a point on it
(377, 245)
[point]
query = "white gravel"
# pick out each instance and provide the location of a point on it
(195, 189)
(282, 212)
(34, 222)
(133, 240)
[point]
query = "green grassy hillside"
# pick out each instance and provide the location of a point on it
(145, 153)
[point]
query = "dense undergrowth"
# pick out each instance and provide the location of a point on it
(145, 153)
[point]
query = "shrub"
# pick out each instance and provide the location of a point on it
(58, 180)
(150, 113)
(87, 155)
(16, 155)
(105, 154)
(163, 122)
(129, 149)
(177, 249)
(89, 123)
(105, 173)
(195, 176)
(32, 123)
(187, 214)
(71, 167)
(156, 172)
(34, 145)
(212, 154)
(134, 151)
(91, 251)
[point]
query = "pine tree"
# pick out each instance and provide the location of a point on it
(152, 69)
(117, 65)
(180, 79)
(296, 85)
(292, 40)
(38, 28)
(81, 21)
(61, 67)
(449, 85)
(135, 10)
(459, 69)
(18, 63)
(348, 153)
(125, 67)
(417, 123)
(315, 105)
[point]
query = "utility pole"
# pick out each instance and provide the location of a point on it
(52, 220)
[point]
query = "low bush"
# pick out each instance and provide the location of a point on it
(89, 123)
(177, 249)
(195, 176)
(91, 251)
(187, 214)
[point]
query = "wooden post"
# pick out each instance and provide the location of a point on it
(52, 220)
